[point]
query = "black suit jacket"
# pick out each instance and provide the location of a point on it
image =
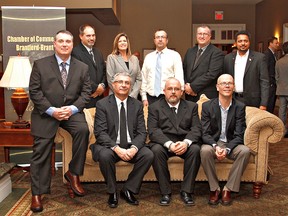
(212, 124)
(96, 71)
(163, 127)
(256, 80)
(271, 62)
(106, 124)
(203, 77)
(46, 90)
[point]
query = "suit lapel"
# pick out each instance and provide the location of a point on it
(181, 112)
(216, 109)
(114, 112)
(230, 115)
(87, 55)
(168, 112)
(56, 70)
(130, 116)
(204, 54)
(249, 61)
(122, 63)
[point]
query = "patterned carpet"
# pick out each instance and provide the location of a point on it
(273, 200)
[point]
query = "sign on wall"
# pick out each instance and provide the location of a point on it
(29, 31)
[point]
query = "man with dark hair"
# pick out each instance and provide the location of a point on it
(87, 53)
(250, 72)
(271, 58)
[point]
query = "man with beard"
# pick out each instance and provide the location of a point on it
(250, 73)
(91, 56)
(174, 130)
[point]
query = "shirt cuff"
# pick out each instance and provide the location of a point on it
(50, 111)
(228, 150)
(133, 146)
(113, 148)
(168, 144)
(103, 85)
(74, 109)
(189, 142)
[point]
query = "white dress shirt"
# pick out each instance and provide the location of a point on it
(239, 70)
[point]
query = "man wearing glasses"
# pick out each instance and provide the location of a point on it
(202, 65)
(157, 67)
(175, 130)
(223, 127)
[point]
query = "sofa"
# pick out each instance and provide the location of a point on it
(263, 128)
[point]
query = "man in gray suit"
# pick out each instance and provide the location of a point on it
(59, 88)
(87, 53)
(281, 71)
(202, 65)
(223, 127)
(175, 130)
(250, 72)
(121, 134)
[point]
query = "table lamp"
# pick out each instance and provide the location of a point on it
(17, 76)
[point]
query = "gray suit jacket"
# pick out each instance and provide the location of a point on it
(204, 76)
(116, 64)
(46, 90)
(281, 76)
(256, 78)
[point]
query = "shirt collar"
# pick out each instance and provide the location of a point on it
(59, 60)
(176, 106)
(118, 101)
(87, 48)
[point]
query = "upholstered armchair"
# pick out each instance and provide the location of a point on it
(263, 128)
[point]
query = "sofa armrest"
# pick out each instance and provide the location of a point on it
(261, 125)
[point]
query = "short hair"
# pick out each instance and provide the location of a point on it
(123, 73)
(271, 39)
(243, 32)
(115, 49)
(285, 47)
(160, 30)
(83, 27)
(63, 31)
(205, 26)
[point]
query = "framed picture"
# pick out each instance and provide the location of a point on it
(147, 51)
(260, 46)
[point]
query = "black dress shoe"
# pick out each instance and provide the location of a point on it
(165, 200)
(113, 200)
(187, 198)
(129, 197)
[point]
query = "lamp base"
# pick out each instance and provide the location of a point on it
(20, 124)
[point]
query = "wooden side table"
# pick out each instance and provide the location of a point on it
(19, 138)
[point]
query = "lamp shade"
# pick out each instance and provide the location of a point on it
(17, 73)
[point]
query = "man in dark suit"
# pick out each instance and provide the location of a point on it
(121, 134)
(223, 127)
(91, 56)
(175, 130)
(271, 58)
(59, 88)
(202, 65)
(250, 72)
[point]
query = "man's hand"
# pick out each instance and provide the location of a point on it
(99, 91)
(179, 147)
(220, 153)
(263, 107)
(62, 113)
(189, 90)
(125, 154)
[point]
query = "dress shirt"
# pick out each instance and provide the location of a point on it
(239, 70)
(171, 67)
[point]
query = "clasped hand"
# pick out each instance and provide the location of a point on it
(62, 113)
(125, 154)
(179, 147)
(220, 153)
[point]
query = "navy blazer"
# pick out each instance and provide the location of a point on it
(212, 123)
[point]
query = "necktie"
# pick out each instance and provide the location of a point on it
(157, 84)
(123, 128)
(174, 113)
(92, 55)
(64, 74)
(197, 57)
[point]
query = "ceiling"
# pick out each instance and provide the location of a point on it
(226, 1)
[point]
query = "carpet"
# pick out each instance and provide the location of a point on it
(273, 200)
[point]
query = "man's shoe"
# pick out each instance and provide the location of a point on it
(165, 200)
(113, 200)
(74, 183)
(36, 205)
(187, 198)
(129, 197)
(214, 197)
(226, 197)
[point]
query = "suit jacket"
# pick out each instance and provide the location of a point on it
(256, 79)
(271, 61)
(163, 127)
(46, 90)
(212, 123)
(116, 64)
(106, 124)
(203, 77)
(96, 71)
(281, 76)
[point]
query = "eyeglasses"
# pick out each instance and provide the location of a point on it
(203, 34)
(226, 83)
(122, 82)
(162, 37)
(173, 89)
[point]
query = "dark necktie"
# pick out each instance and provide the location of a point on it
(64, 74)
(92, 55)
(197, 57)
(123, 128)
(174, 113)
